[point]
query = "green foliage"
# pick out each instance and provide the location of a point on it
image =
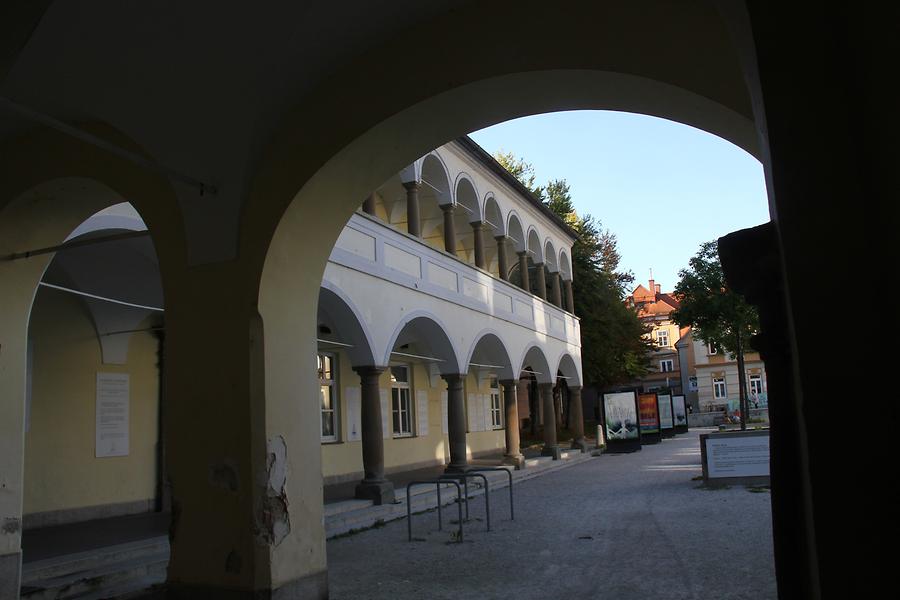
(613, 346)
(716, 313)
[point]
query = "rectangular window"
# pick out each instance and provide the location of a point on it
(666, 366)
(756, 385)
(662, 338)
(719, 390)
(328, 397)
(712, 348)
(401, 405)
(496, 405)
(692, 383)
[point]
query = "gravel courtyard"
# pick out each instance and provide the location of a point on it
(630, 526)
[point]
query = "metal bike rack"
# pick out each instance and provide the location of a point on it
(487, 491)
(512, 512)
(437, 483)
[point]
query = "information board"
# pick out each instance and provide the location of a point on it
(620, 416)
(737, 456)
(649, 415)
(679, 411)
(111, 434)
(666, 423)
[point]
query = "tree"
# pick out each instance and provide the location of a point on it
(716, 314)
(613, 342)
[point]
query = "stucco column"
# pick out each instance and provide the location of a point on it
(374, 486)
(413, 221)
(541, 282)
(456, 423)
(449, 228)
(551, 446)
(570, 298)
(502, 263)
(523, 271)
(576, 418)
(477, 228)
(369, 205)
(557, 290)
(513, 454)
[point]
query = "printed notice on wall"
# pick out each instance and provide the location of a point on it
(112, 415)
(354, 414)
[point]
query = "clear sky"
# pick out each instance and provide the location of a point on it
(662, 187)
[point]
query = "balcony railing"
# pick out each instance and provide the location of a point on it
(370, 246)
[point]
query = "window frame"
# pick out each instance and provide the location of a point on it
(670, 362)
(716, 395)
(404, 391)
(660, 333)
(496, 404)
(333, 387)
(755, 377)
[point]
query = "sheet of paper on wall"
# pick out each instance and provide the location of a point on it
(354, 414)
(422, 411)
(112, 415)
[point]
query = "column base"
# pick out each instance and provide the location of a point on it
(515, 460)
(10, 572)
(580, 445)
(379, 492)
(553, 451)
(456, 468)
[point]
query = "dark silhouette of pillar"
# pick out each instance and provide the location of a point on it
(570, 298)
(513, 454)
(502, 263)
(576, 418)
(557, 290)
(477, 229)
(413, 221)
(374, 486)
(551, 445)
(456, 423)
(541, 282)
(523, 271)
(449, 228)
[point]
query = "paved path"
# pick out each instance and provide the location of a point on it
(623, 527)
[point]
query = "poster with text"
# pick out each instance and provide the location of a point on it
(679, 410)
(111, 433)
(665, 411)
(621, 416)
(649, 413)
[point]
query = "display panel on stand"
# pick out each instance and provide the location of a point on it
(666, 421)
(649, 414)
(620, 417)
(679, 414)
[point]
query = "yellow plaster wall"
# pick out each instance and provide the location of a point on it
(61, 471)
(345, 458)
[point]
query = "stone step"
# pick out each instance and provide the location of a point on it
(60, 566)
(104, 581)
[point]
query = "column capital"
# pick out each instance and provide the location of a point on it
(448, 208)
(522, 253)
(509, 382)
(453, 378)
(501, 238)
(574, 388)
(369, 370)
(545, 386)
(412, 185)
(476, 224)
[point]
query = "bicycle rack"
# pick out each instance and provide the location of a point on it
(465, 475)
(512, 512)
(437, 483)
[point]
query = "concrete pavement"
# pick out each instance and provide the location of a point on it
(616, 526)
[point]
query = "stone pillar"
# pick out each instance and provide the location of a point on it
(374, 486)
(523, 271)
(369, 205)
(513, 454)
(502, 263)
(551, 446)
(413, 221)
(477, 228)
(570, 298)
(541, 282)
(449, 228)
(576, 418)
(557, 290)
(456, 423)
